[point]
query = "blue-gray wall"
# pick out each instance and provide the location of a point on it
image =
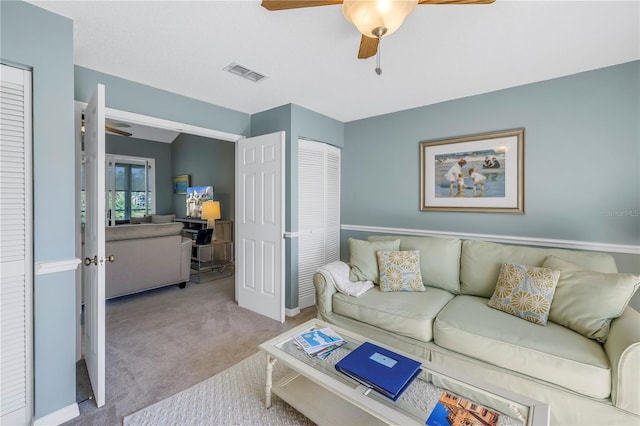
(582, 147)
(159, 151)
(134, 97)
(298, 123)
(35, 38)
(207, 162)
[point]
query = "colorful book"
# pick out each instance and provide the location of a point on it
(454, 410)
(314, 341)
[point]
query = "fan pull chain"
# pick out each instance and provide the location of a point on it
(379, 32)
(378, 69)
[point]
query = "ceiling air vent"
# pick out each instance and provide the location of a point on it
(245, 72)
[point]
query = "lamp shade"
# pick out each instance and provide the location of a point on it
(211, 210)
(371, 15)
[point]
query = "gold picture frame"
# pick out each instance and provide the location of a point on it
(180, 184)
(476, 173)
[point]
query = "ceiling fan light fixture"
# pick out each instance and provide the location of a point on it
(375, 17)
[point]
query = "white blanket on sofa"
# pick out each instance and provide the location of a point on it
(339, 271)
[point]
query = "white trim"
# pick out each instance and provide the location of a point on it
(161, 123)
(43, 268)
(291, 312)
(60, 416)
(528, 241)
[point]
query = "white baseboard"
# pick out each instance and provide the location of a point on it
(507, 239)
(291, 312)
(58, 417)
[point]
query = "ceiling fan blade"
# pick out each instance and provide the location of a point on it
(117, 131)
(117, 124)
(455, 1)
(368, 47)
(296, 4)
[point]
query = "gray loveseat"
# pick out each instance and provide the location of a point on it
(583, 380)
(147, 256)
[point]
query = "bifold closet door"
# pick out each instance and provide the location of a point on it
(318, 213)
(16, 257)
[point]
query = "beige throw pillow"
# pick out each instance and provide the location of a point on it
(139, 220)
(400, 271)
(587, 301)
(525, 291)
(363, 259)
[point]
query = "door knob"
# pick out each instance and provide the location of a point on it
(88, 261)
(111, 258)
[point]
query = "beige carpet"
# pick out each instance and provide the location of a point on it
(164, 341)
(233, 397)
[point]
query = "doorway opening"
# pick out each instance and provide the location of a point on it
(133, 122)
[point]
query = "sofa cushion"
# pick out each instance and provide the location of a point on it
(163, 218)
(363, 259)
(587, 301)
(553, 353)
(439, 259)
(407, 314)
(400, 270)
(144, 230)
(480, 263)
(525, 291)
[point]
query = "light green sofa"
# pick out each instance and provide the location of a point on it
(583, 381)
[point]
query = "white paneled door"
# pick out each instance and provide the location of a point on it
(260, 224)
(94, 306)
(16, 254)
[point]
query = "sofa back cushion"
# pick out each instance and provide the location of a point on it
(480, 263)
(587, 301)
(144, 230)
(439, 259)
(363, 258)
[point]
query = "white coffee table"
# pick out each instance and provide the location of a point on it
(326, 396)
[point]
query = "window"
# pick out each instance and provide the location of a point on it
(130, 188)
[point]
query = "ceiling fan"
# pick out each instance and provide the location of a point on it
(373, 18)
(111, 127)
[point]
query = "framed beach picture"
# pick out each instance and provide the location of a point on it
(180, 184)
(477, 173)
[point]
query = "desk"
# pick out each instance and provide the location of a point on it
(203, 260)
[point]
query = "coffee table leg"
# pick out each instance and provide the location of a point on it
(267, 388)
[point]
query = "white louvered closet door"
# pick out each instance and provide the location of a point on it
(16, 257)
(318, 213)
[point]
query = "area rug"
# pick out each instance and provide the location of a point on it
(236, 397)
(232, 397)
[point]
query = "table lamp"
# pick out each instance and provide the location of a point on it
(211, 212)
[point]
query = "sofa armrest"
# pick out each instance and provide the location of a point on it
(623, 349)
(325, 289)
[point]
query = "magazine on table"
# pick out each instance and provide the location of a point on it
(451, 409)
(315, 341)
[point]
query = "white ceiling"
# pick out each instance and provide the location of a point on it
(309, 55)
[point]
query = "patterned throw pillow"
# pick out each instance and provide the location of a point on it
(525, 291)
(400, 270)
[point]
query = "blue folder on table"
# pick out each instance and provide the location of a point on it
(380, 369)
